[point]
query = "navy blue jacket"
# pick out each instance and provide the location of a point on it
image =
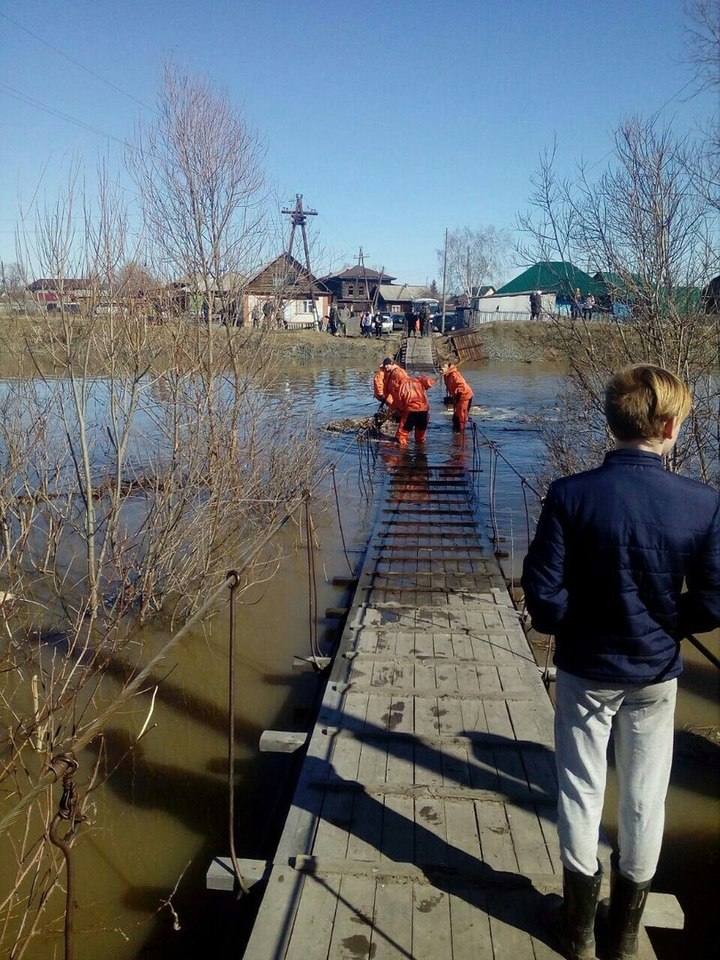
(605, 573)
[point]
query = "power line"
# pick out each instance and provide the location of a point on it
(76, 63)
(38, 104)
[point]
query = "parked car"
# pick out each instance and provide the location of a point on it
(387, 323)
(106, 309)
(67, 308)
(451, 321)
(398, 321)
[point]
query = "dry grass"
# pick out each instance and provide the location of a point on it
(24, 347)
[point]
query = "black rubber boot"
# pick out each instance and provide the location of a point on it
(573, 920)
(627, 902)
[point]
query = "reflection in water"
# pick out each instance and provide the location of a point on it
(162, 816)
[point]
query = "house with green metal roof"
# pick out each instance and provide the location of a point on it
(556, 280)
(553, 276)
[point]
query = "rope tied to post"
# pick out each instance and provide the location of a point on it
(233, 582)
(312, 580)
(65, 766)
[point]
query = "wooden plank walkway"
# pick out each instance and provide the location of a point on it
(423, 824)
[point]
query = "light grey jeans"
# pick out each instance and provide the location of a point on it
(640, 720)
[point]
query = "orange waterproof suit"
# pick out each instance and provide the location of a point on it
(414, 409)
(462, 396)
(379, 385)
(393, 376)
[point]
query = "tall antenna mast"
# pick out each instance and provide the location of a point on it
(298, 218)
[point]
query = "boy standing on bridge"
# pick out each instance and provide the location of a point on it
(605, 573)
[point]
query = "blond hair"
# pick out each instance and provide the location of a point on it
(639, 400)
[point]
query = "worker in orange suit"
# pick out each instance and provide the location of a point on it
(379, 385)
(459, 393)
(386, 382)
(414, 409)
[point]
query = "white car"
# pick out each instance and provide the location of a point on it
(387, 324)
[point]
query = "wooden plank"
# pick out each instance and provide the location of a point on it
(282, 741)
(496, 843)
(366, 640)
(392, 922)
(462, 835)
(428, 785)
(472, 708)
(512, 778)
(352, 929)
(454, 750)
(430, 832)
(431, 936)
(507, 920)
(365, 834)
(312, 930)
(663, 910)
(498, 719)
(273, 925)
(534, 721)
(470, 924)
(398, 829)
(221, 873)
(331, 836)
(487, 694)
(426, 716)
(528, 840)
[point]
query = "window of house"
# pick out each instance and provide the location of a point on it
(305, 306)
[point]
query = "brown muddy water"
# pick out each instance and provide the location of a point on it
(162, 815)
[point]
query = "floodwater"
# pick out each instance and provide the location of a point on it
(162, 815)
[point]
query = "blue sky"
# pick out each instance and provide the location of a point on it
(394, 119)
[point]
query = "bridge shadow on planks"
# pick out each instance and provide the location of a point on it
(497, 764)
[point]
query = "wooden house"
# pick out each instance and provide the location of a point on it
(284, 294)
(356, 287)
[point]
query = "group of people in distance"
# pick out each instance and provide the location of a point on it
(406, 398)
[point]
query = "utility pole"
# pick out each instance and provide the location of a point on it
(442, 324)
(298, 218)
(361, 263)
(376, 295)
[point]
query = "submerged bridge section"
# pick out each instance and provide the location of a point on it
(423, 823)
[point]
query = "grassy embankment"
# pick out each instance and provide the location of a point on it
(25, 344)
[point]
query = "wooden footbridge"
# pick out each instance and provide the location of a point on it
(423, 823)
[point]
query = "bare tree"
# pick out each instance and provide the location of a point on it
(135, 469)
(474, 257)
(198, 169)
(12, 282)
(135, 278)
(704, 41)
(649, 230)
(703, 37)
